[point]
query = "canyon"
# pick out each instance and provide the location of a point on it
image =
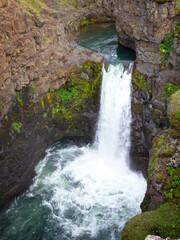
(37, 64)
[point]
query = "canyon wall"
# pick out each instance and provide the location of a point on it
(143, 25)
(152, 29)
(43, 98)
(48, 90)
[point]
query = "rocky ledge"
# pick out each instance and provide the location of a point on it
(163, 190)
(48, 90)
(152, 237)
(152, 29)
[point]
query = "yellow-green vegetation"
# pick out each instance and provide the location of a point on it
(20, 101)
(34, 6)
(166, 46)
(73, 3)
(1, 106)
(154, 161)
(59, 109)
(174, 109)
(173, 184)
(177, 30)
(85, 21)
(69, 99)
(166, 151)
(16, 126)
(158, 113)
(178, 7)
(164, 222)
(66, 3)
(167, 43)
(170, 89)
(140, 82)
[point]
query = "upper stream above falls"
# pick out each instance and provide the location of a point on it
(87, 192)
(102, 39)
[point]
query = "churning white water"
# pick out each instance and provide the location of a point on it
(113, 134)
(89, 192)
(93, 192)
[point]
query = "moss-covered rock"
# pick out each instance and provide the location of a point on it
(29, 128)
(140, 82)
(163, 189)
(174, 109)
(164, 222)
(178, 7)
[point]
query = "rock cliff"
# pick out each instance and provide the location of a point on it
(48, 90)
(163, 190)
(152, 30)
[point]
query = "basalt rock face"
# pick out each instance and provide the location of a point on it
(164, 166)
(151, 28)
(161, 205)
(48, 90)
(143, 25)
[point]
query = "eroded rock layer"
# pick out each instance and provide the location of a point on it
(48, 90)
(143, 25)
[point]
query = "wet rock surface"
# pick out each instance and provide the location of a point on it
(142, 25)
(36, 64)
(161, 203)
(152, 237)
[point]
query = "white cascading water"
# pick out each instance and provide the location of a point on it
(97, 191)
(113, 134)
(88, 192)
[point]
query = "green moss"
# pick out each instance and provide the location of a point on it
(1, 106)
(158, 142)
(154, 160)
(85, 21)
(174, 109)
(19, 99)
(177, 193)
(178, 7)
(168, 183)
(45, 115)
(174, 183)
(59, 109)
(166, 151)
(159, 177)
(170, 89)
(16, 126)
(164, 222)
(140, 82)
(166, 46)
(34, 6)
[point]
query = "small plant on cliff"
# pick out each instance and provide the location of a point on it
(175, 182)
(174, 173)
(169, 89)
(166, 46)
(20, 101)
(141, 82)
(34, 6)
(45, 115)
(85, 22)
(17, 126)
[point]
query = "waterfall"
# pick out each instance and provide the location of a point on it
(113, 134)
(85, 193)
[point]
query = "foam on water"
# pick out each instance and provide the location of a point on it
(88, 192)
